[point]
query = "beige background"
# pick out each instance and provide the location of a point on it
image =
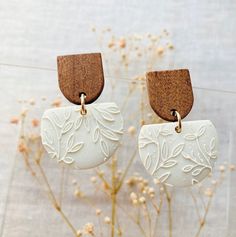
(33, 33)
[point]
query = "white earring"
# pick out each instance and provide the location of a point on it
(179, 155)
(84, 135)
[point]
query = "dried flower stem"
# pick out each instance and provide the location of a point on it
(113, 196)
(168, 198)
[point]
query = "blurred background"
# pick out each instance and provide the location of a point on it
(134, 37)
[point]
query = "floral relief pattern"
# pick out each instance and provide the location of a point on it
(65, 130)
(166, 154)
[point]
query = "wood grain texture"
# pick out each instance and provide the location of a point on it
(170, 90)
(82, 73)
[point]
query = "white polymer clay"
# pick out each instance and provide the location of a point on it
(179, 159)
(84, 141)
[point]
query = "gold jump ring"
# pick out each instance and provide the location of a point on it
(83, 110)
(178, 128)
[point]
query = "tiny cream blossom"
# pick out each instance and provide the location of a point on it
(89, 228)
(142, 200)
(98, 212)
(93, 179)
(79, 233)
(208, 192)
(160, 50)
(14, 120)
(133, 196)
(107, 220)
(35, 122)
(222, 168)
(232, 167)
(122, 43)
(132, 130)
(56, 103)
(32, 101)
(156, 181)
(135, 201)
(24, 112)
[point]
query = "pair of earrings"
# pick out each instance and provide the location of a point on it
(86, 135)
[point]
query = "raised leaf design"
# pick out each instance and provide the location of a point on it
(190, 137)
(78, 123)
(48, 147)
(109, 135)
(67, 113)
(107, 116)
(187, 168)
(164, 177)
(177, 150)
(57, 120)
(65, 131)
(165, 132)
(169, 163)
(113, 109)
(70, 142)
(53, 155)
(197, 171)
(164, 150)
(96, 134)
(201, 131)
(213, 143)
(86, 123)
(104, 148)
(191, 153)
(67, 127)
(76, 147)
(48, 137)
(68, 160)
(148, 162)
(186, 156)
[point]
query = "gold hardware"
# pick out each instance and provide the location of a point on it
(178, 128)
(83, 110)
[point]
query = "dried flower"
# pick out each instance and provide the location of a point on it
(170, 46)
(142, 200)
(156, 181)
(56, 103)
(222, 168)
(132, 130)
(35, 122)
(208, 192)
(24, 113)
(122, 43)
(32, 101)
(107, 220)
(111, 44)
(98, 212)
(79, 233)
(78, 193)
(89, 228)
(22, 147)
(14, 120)
(133, 196)
(93, 179)
(160, 50)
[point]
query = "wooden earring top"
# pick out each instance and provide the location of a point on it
(81, 73)
(170, 90)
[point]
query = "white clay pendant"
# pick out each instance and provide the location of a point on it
(83, 141)
(179, 159)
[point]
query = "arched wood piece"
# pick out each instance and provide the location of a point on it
(170, 90)
(81, 73)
